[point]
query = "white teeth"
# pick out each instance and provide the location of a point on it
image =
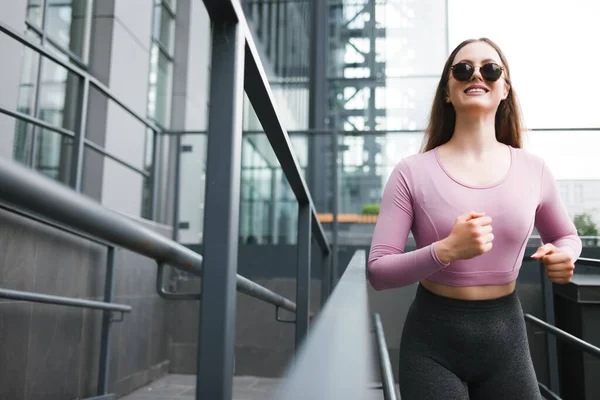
(475, 90)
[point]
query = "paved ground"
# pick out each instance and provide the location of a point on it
(182, 387)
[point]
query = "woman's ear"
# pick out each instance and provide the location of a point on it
(506, 90)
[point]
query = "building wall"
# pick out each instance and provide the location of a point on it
(51, 351)
(127, 41)
(191, 113)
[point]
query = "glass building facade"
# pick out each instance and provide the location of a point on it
(47, 90)
(383, 71)
(382, 63)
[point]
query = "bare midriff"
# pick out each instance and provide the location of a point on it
(486, 292)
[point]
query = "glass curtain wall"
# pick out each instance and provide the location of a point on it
(269, 210)
(47, 90)
(384, 64)
(160, 96)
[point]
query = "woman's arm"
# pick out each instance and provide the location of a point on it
(388, 265)
(552, 220)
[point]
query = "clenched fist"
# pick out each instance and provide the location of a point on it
(471, 236)
(559, 266)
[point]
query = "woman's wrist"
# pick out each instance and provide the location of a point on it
(444, 252)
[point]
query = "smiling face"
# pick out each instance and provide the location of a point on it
(477, 94)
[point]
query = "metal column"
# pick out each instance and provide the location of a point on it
(221, 214)
(335, 147)
(551, 348)
(79, 140)
(325, 278)
(318, 102)
(303, 273)
(109, 283)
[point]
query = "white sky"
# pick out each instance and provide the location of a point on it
(553, 50)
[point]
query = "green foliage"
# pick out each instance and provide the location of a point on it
(585, 226)
(371, 209)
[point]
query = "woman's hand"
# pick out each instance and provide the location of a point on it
(559, 266)
(471, 236)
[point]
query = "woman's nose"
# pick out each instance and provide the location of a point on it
(476, 74)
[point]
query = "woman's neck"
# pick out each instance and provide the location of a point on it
(474, 136)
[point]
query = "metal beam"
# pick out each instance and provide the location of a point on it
(109, 283)
(221, 222)
(303, 274)
(551, 348)
(335, 143)
(318, 101)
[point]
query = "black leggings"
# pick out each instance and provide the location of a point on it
(461, 349)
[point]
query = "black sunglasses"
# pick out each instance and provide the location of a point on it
(463, 71)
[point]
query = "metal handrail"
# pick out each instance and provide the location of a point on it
(547, 393)
(257, 88)
(62, 301)
(39, 194)
(590, 262)
(387, 376)
(564, 336)
(344, 361)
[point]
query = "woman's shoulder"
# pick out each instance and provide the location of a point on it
(528, 159)
(419, 160)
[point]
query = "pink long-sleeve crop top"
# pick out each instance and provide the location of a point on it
(422, 197)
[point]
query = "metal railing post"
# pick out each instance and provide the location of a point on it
(109, 283)
(550, 340)
(325, 278)
(334, 226)
(77, 152)
(387, 375)
(218, 305)
(153, 178)
(303, 273)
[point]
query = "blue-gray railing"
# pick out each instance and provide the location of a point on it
(235, 67)
(553, 333)
(106, 305)
(336, 360)
(26, 193)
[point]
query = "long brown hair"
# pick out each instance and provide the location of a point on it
(443, 117)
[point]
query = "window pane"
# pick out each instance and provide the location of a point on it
(159, 97)
(58, 105)
(67, 23)
(59, 92)
(192, 183)
(15, 142)
(172, 4)
(163, 27)
(27, 86)
(34, 12)
(54, 155)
